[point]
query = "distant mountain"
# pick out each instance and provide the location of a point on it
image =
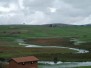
(84, 25)
(57, 25)
(88, 24)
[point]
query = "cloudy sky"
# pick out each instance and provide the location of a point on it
(45, 11)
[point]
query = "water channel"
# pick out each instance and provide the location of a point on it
(38, 46)
(49, 64)
(59, 64)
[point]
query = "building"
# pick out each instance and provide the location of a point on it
(24, 62)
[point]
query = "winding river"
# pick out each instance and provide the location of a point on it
(38, 46)
(51, 64)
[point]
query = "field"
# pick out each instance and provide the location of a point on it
(45, 36)
(81, 32)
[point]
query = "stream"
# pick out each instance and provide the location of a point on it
(59, 64)
(50, 64)
(38, 46)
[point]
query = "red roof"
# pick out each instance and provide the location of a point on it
(25, 59)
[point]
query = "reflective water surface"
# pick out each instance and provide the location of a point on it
(50, 64)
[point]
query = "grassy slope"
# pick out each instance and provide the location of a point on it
(82, 32)
(8, 52)
(6, 34)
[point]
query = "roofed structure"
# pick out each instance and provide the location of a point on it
(24, 62)
(25, 59)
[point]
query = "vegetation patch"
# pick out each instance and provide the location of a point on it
(46, 36)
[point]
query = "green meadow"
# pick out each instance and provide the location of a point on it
(9, 46)
(81, 32)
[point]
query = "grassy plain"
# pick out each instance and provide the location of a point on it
(10, 48)
(81, 32)
(84, 67)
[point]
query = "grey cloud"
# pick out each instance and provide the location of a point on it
(79, 3)
(37, 5)
(83, 5)
(39, 12)
(8, 1)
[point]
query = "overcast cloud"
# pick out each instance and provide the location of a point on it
(33, 12)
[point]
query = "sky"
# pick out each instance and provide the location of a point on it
(38, 12)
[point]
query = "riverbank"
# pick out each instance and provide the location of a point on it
(59, 64)
(74, 49)
(64, 53)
